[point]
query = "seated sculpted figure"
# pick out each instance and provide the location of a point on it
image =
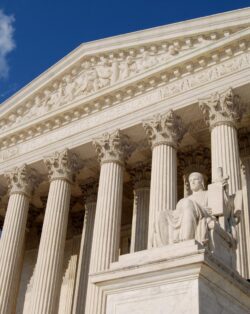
(190, 218)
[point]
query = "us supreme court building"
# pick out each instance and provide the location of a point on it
(125, 176)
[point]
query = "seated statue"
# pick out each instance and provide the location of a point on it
(190, 218)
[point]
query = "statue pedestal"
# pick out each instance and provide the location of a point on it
(179, 278)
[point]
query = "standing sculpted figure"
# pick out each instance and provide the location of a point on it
(190, 218)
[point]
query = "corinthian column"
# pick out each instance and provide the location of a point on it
(244, 143)
(164, 132)
(141, 179)
(48, 271)
(21, 181)
(111, 149)
(90, 195)
(222, 111)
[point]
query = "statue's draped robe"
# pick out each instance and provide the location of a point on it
(191, 211)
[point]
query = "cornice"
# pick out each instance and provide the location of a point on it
(183, 66)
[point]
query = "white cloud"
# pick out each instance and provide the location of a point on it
(7, 43)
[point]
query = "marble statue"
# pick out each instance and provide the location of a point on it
(191, 218)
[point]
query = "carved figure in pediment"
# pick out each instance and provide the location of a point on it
(54, 98)
(147, 61)
(69, 88)
(104, 71)
(87, 81)
(127, 68)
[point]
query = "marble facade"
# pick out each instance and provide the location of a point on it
(98, 150)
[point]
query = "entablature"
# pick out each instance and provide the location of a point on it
(162, 72)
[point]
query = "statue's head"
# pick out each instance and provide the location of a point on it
(196, 181)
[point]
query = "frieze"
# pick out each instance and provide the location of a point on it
(97, 72)
(170, 89)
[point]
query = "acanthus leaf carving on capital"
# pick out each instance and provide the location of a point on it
(222, 108)
(140, 174)
(164, 129)
(63, 165)
(22, 180)
(112, 147)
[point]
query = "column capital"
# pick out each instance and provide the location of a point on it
(22, 180)
(222, 108)
(164, 128)
(140, 174)
(112, 147)
(62, 165)
(89, 189)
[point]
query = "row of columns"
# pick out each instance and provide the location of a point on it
(100, 240)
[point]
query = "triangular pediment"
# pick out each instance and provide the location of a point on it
(94, 70)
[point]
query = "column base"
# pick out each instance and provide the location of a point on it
(179, 278)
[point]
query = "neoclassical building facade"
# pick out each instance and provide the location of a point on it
(99, 212)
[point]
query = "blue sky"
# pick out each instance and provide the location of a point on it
(35, 34)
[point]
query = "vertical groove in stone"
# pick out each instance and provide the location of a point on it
(163, 186)
(246, 200)
(84, 259)
(225, 154)
(246, 212)
(139, 233)
(105, 241)
(48, 271)
(69, 278)
(11, 248)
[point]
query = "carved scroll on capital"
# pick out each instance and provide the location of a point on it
(222, 108)
(22, 180)
(112, 147)
(63, 165)
(164, 129)
(140, 174)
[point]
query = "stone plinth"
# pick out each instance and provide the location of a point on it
(179, 278)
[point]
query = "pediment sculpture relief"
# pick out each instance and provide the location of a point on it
(98, 72)
(197, 214)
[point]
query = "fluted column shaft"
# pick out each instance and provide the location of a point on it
(163, 186)
(105, 244)
(246, 201)
(225, 154)
(46, 287)
(12, 238)
(139, 233)
(48, 271)
(164, 133)
(106, 236)
(84, 258)
(222, 111)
